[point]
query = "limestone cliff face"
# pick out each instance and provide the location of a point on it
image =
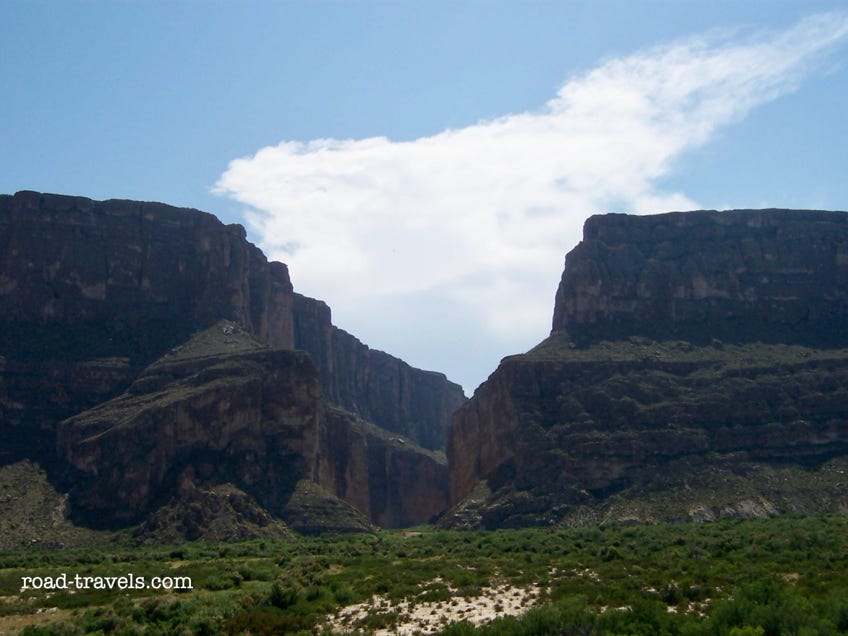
(380, 388)
(693, 358)
(249, 417)
(774, 275)
(225, 410)
(105, 312)
(389, 478)
(92, 291)
(132, 278)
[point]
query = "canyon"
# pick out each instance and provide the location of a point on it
(159, 376)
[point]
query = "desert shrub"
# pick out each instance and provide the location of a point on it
(837, 609)
(316, 592)
(284, 594)
(746, 631)
(154, 610)
(569, 616)
(257, 572)
(345, 596)
(103, 621)
(771, 605)
(642, 617)
(379, 620)
(462, 628)
(223, 581)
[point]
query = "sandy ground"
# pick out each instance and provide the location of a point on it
(428, 617)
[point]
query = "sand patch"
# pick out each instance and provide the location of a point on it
(383, 617)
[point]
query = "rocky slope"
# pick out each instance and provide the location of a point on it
(245, 416)
(116, 374)
(697, 367)
(224, 409)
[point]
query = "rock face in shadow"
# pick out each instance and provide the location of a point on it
(91, 292)
(696, 368)
(740, 276)
(111, 324)
(133, 279)
(223, 409)
(406, 484)
(247, 417)
(378, 387)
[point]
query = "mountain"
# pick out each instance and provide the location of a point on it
(158, 367)
(697, 367)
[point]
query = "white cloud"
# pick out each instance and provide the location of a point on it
(464, 232)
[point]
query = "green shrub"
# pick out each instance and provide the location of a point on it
(285, 594)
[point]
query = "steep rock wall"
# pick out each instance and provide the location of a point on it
(132, 278)
(389, 478)
(740, 275)
(249, 417)
(683, 345)
(92, 291)
(375, 385)
(224, 409)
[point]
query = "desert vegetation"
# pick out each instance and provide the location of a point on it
(777, 576)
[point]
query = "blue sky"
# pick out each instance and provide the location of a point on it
(425, 166)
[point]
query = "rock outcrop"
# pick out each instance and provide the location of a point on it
(126, 278)
(118, 375)
(376, 386)
(247, 416)
(224, 409)
(91, 292)
(745, 275)
(697, 367)
(406, 484)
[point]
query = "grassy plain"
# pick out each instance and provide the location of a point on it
(776, 576)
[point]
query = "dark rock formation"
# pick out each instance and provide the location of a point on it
(224, 409)
(693, 358)
(378, 387)
(220, 513)
(124, 278)
(392, 480)
(91, 292)
(745, 275)
(110, 323)
(247, 417)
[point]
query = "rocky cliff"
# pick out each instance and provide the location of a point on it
(246, 416)
(91, 292)
(380, 388)
(696, 368)
(224, 409)
(745, 275)
(116, 376)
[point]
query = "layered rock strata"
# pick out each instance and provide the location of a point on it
(105, 317)
(378, 387)
(691, 355)
(248, 417)
(742, 275)
(93, 291)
